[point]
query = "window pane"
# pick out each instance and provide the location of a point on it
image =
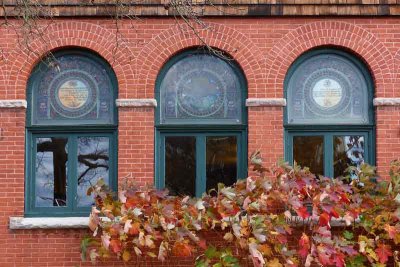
(51, 172)
(201, 88)
(180, 165)
(348, 151)
(221, 157)
(93, 164)
(308, 151)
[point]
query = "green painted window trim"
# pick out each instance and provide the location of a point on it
(199, 130)
(70, 132)
(368, 130)
(369, 149)
(200, 155)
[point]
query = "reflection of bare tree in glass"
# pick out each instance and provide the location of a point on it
(93, 163)
(96, 157)
(60, 157)
(348, 151)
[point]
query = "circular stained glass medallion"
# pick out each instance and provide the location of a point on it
(200, 93)
(73, 93)
(327, 93)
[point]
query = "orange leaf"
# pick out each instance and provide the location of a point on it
(135, 229)
(324, 219)
(391, 230)
(182, 249)
(116, 245)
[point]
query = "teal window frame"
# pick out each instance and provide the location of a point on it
(329, 130)
(72, 132)
(200, 131)
(328, 145)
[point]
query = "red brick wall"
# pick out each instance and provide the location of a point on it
(264, 48)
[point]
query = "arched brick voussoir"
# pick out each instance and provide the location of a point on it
(361, 42)
(177, 38)
(2, 81)
(73, 34)
(396, 70)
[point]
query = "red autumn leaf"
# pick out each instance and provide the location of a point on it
(304, 244)
(339, 260)
(202, 243)
(182, 249)
(344, 198)
(383, 251)
(116, 245)
(302, 212)
(334, 213)
(324, 219)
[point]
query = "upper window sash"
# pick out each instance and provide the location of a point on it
(328, 87)
(76, 89)
(200, 89)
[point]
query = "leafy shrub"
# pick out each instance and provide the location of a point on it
(257, 215)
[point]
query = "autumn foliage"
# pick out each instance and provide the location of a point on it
(257, 215)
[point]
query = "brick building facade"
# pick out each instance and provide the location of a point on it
(264, 40)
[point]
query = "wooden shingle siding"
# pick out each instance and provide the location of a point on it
(265, 8)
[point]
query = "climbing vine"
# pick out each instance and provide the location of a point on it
(256, 215)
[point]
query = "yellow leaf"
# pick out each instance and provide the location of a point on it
(274, 263)
(126, 256)
(372, 254)
(265, 250)
(228, 237)
(397, 238)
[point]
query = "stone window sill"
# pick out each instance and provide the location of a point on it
(20, 223)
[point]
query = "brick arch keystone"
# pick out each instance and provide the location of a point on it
(351, 37)
(179, 37)
(72, 34)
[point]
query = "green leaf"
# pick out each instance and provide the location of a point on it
(201, 263)
(348, 235)
(211, 253)
(357, 261)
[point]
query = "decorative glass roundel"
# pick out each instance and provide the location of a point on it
(200, 88)
(327, 89)
(78, 90)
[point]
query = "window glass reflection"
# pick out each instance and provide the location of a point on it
(221, 161)
(348, 151)
(180, 165)
(308, 151)
(93, 164)
(51, 172)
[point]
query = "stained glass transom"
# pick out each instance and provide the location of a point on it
(76, 89)
(200, 88)
(327, 89)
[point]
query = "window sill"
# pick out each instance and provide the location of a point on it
(20, 223)
(297, 221)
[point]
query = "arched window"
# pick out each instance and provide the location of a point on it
(201, 124)
(329, 121)
(71, 133)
